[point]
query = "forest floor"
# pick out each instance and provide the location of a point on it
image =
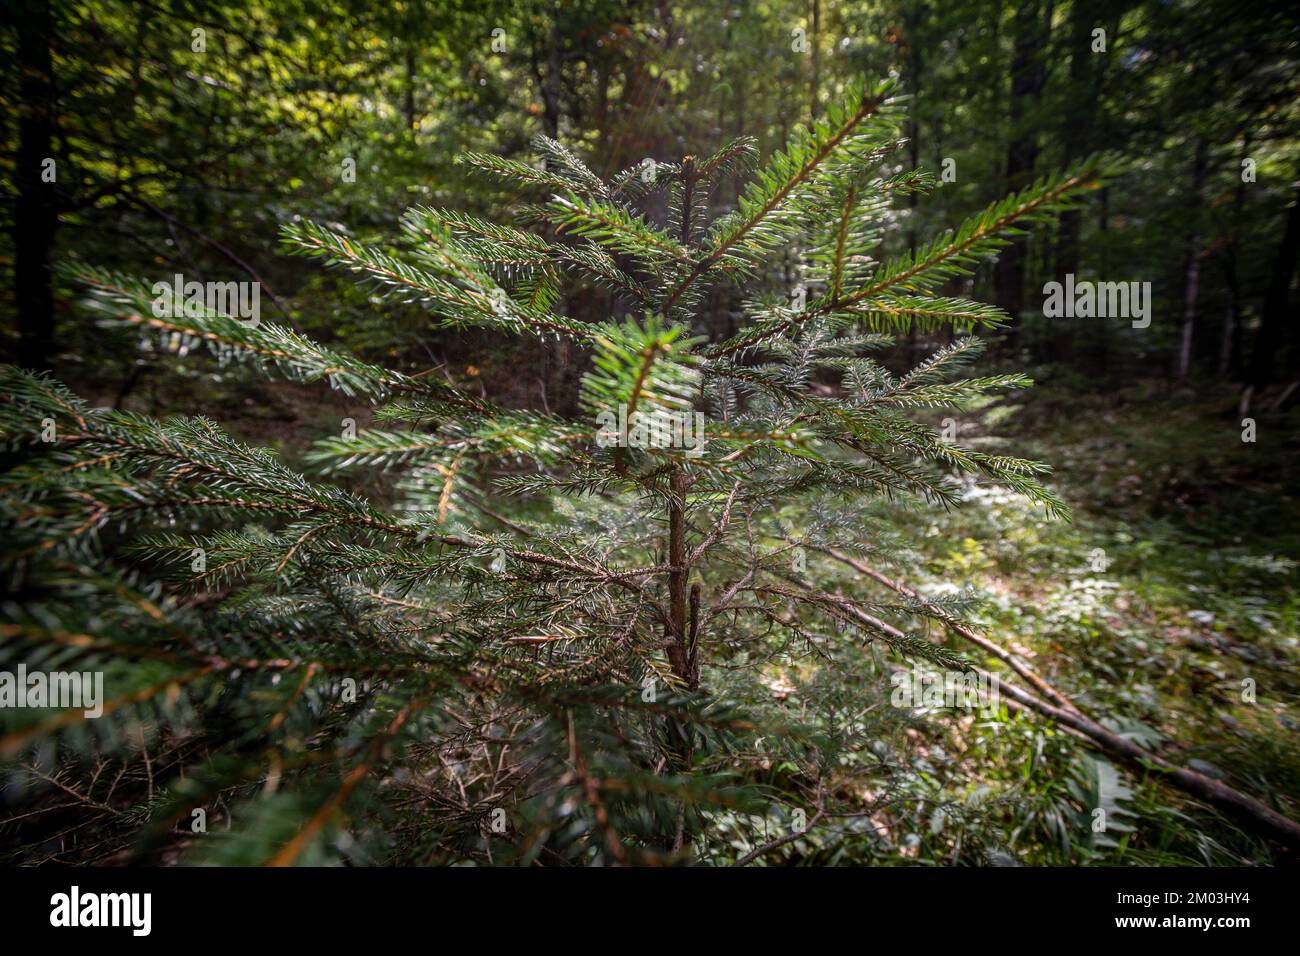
(1171, 601)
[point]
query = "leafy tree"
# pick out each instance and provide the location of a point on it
(527, 643)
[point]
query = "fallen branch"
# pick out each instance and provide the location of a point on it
(1011, 660)
(1261, 818)
(755, 853)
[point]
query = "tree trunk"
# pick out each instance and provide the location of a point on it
(816, 59)
(1076, 131)
(1273, 328)
(408, 107)
(1192, 282)
(678, 652)
(1076, 134)
(1230, 332)
(1231, 319)
(36, 210)
(549, 82)
(911, 21)
(1028, 75)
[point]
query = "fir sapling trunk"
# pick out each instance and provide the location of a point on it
(678, 651)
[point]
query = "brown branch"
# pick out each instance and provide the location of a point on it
(1254, 813)
(295, 847)
(755, 853)
(262, 283)
(591, 793)
(1005, 656)
(12, 743)
(676, 625)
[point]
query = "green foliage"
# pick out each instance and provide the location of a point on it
(531, 647)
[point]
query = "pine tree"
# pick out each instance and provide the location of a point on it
(553, 642)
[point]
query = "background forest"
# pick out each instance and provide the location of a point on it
(1150, 581)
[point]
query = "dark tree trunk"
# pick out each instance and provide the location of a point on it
(1192, 278)
(36, 210)
(601, 117)
(408, 107)
(816, 59)
(549, 79)
(1076, 131)
(911, 24)
(1276, 321)
(678, 652)
(1028, 75)
(1230, 331)
(1076, 134)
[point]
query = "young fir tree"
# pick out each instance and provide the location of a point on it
(544, 646)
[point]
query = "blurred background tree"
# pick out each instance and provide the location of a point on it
(183, 134)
